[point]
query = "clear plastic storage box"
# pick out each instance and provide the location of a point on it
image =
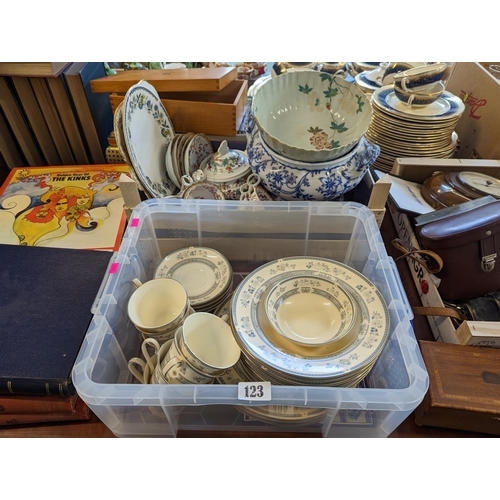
(249, 235)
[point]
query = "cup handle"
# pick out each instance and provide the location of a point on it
(133, 370)
(404, 81)
(150, 360)
(224, 317)
(169, 365)
(136, 283)
(410, 100)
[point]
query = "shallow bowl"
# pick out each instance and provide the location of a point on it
(311, 116)
(310, 310)
(321, 183)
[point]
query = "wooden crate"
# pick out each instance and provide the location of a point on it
(211, 113)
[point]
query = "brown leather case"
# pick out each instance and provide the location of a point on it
(464, 387)
(467, 243)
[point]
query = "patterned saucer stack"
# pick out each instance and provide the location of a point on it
(205, 273)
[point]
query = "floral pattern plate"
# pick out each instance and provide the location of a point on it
(121, 144)
(368, 344)
(148, 132)
(198, 149)
(204, 272)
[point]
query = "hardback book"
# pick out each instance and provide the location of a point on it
(80, 412)
(46, 305)
(38, 69)
(51, 116)
(68, 119)
(64, 207)
(17, 122)
(13, 404)
(92, 109)
(36, 119)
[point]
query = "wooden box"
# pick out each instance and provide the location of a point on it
(200, 100)
(211, 113)
(464, 387)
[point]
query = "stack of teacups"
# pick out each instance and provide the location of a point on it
(421, 85)
(202, 349)
(158, 307)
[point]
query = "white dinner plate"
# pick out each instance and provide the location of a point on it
(148, 132)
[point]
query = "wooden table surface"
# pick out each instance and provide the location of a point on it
(94, 428)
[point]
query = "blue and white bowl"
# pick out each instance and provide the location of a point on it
(310, 182)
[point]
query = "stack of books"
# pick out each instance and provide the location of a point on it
(50, 116)
(59, 229)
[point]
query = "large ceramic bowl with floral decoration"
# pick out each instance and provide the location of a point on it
(311, 116)
(323, 182)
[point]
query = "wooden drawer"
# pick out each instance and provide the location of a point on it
(211, 113)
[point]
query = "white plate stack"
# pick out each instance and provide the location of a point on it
(402, 131)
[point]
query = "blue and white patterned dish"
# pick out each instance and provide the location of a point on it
(373, 316)
(148, 132)
(290, 182)
(447, 107)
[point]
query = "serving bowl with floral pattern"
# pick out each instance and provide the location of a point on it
(312, 182)
(311, 116)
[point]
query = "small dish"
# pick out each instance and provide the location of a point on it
(203, 190)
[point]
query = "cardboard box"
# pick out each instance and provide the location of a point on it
(417, 170)
(464, 390)
(478, 127)
(210, 113)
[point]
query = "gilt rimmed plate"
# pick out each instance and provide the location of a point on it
(446, 107)
(369, 342)
(148, 132)
(204, 272)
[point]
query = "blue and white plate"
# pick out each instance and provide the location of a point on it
(148, 132)
(447, 107)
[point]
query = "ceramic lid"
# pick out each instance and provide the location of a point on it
(226, 164)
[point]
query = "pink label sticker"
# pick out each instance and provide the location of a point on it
(114, 267)
(134, 222)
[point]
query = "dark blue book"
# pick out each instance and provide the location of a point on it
(46, 298)
(92, 109)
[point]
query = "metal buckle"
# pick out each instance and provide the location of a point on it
(488, 262)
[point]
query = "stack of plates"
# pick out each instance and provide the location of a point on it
(185, 155)
(205, 273)
(418, 131)
(340, 361)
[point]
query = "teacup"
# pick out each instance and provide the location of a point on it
(173, 368)
(415, 78)
(158, 305)
(426, 94)
(207, 343)
(162, 337)
(396, 67)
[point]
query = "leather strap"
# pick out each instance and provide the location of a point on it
(439, 311)
(428, 259)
